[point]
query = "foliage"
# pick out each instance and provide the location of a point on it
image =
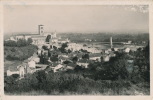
(85, 56)
(44, 47)
(19, 43)
(101, 77)
(48, 38)
(142, 60)
(61, 83)
(62, 49)
(19, 53)
(75, 59)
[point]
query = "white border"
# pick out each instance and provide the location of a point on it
(73, 2)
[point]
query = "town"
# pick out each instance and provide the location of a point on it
(59, 54)
(50, 63)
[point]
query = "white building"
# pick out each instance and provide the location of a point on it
(32, 64)
(106, 58)
(9, 73)
(83, 63)
(127, 50)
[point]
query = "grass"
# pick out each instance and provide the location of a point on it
(135, 89)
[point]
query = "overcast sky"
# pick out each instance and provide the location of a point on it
(69, 18)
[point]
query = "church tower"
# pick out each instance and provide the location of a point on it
(41, 29)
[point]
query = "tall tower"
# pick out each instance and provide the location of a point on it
(111, 43)
(41, 29)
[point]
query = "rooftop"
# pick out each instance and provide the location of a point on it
(83, 61)
(71, 64)
(95, 55)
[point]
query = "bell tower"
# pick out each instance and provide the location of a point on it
(41, 29)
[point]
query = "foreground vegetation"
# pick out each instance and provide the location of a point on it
(101, 78)
(67, 83)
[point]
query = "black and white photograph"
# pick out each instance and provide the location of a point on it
(65, 50)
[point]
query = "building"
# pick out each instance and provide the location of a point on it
(41, 29)
(84, 63)
(127, 50)
(95, 57)
(105, 58)
(71, 66)
(38, 39)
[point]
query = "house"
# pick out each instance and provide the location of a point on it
(84, 63)
(63, 40)
(127, 50)
(109, 50)
(39, 52)
(112, 54)
(57, 68)
(71, 66)
(40, 66)
(62, 59)
(12, 38)
(105, 51)
(35, 58)
(22, 70)
(93, 50)
(9, 72)
(105, 58)
(32, 64)
(95, 56)
(114, 49)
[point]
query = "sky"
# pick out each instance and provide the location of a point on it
(76, 18)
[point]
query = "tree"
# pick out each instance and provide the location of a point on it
(85, 56)
(64, 45)
(75, 59)
(45, 47)
(10, 43)
(48, 38)
(142, 60)
(66, 62)
(29, 41)
(21, 42)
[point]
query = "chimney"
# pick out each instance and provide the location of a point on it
(111, 43)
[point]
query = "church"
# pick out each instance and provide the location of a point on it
(38, 39)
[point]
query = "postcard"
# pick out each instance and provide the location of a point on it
(76, 50)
